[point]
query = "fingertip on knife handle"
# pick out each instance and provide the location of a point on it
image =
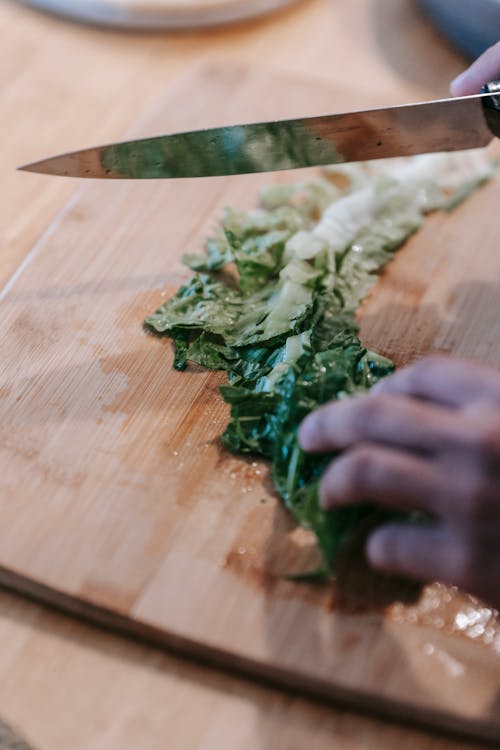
(491, 106)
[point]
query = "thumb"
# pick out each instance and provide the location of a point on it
(485, 69)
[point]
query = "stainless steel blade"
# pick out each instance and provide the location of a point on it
(443, 125)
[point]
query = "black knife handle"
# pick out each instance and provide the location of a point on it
(491, 106)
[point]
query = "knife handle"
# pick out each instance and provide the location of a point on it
(491, 106)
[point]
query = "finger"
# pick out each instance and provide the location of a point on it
(389, 419)
(370, 473)
(449, 382)
(434, 553)
(485, 69)
(410, 550)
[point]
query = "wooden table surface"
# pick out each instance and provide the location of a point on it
(64, 684)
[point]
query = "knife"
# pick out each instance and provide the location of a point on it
(442, 125)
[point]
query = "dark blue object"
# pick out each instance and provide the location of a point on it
(473, 25)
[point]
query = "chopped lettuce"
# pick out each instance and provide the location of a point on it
(280, 320)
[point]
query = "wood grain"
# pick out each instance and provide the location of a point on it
(118, 495)
(68, 685)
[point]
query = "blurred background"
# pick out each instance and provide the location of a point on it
(473, 26)
(154, 14)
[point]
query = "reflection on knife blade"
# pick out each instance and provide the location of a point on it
(445, 125)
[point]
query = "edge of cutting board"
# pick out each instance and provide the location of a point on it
(268, 675)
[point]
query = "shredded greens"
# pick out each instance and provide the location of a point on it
(273, 303)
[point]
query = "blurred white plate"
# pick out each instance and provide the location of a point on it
(167, 14)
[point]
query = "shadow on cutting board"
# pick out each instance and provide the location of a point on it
(358, 612)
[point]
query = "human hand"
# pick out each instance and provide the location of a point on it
(426, 438)
(485, 69)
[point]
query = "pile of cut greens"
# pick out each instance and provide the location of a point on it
(273, 303)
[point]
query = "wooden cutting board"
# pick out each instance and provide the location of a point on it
(117, 500)
(166, 14)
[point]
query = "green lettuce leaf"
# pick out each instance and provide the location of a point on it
(273, 304)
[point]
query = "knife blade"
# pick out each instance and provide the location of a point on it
(435, 126)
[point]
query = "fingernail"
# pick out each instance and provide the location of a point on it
(306, 433)
(456, 84)
(377, 549)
